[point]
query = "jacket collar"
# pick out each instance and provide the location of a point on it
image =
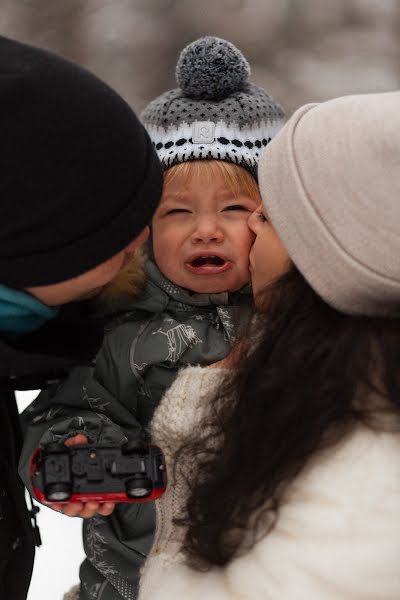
(159, 292)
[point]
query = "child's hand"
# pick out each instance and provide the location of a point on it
(86, 510)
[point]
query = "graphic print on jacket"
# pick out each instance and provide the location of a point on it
(179, 338)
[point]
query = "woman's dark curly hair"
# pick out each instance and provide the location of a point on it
(300, 389)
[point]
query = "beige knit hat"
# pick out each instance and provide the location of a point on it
(330, 181)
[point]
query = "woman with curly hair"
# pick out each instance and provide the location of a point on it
(284, 459)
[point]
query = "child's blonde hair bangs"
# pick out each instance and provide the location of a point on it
(238, 179)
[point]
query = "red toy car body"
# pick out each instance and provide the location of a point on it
(81, 473)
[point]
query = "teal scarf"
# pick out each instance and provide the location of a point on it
(22, 313)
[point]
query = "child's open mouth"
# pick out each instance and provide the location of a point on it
(208, 264)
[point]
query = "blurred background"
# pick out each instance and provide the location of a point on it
(299, 51)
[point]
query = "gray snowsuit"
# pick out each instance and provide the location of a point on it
(151, 337)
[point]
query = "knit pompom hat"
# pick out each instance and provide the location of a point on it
(330, 182)
(215, 113)
(79, 175)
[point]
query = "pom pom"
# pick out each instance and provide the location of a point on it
(211, 69)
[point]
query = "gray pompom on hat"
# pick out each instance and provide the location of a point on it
(215, 113)
(211, 69)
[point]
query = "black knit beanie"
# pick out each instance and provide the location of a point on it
(79, 178)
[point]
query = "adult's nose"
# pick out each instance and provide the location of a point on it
(252, 220)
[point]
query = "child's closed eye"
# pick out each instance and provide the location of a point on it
(236, 207)
(175, 211)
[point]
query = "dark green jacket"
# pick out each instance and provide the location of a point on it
(151, 338)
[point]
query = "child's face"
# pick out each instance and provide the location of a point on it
(201, 240)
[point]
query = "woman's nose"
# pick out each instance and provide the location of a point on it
(207, 230)
(252, 221)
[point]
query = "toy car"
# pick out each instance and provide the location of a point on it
(81, 473)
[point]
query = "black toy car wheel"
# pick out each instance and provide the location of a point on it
(138, 487)
(58, 492)
(134, 448)
(56, 448)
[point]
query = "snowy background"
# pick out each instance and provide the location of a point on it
(299, 50)
(57, 560)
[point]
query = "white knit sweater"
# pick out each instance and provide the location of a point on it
(337, 536)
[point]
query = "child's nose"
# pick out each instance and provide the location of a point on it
(207, 230)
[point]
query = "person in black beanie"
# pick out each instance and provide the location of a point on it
(79, 181)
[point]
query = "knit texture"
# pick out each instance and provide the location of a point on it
(330, 182)
(196, 384)
(337, 534)
(79, 176)
(211, 69)
(215, 113)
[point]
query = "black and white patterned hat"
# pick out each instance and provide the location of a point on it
(215, 113)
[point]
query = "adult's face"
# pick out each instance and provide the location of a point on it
(91, 282)
(268, 257)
